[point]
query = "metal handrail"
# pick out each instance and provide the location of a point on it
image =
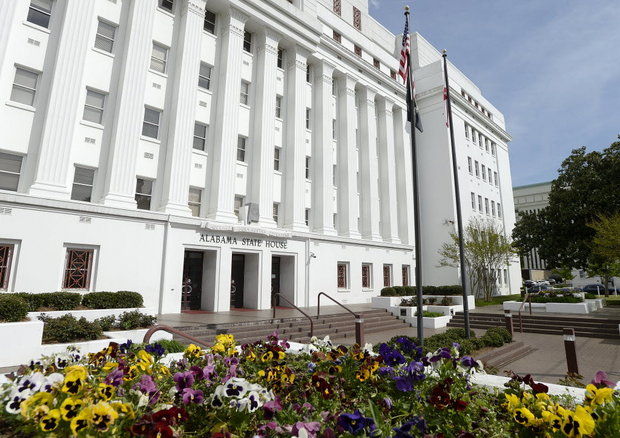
(273, 305)
(526, 298)
(167, 328)
(318, 307)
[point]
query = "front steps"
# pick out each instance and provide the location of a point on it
(500, 357)
(339, 327)
(544, 324)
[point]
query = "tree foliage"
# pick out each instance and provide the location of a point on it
(487, 249)
(587, 187)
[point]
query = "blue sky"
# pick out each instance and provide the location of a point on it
(551, 66)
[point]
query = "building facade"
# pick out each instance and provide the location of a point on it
(481, 143)
(532, 198)
(206, 154)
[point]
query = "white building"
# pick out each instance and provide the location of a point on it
(136, 133)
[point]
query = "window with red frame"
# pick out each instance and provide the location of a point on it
(343, 280)
(358, 50)
(78, 268)
(357, 18)
(366, 276)
(387, 275)
(337, 37)
(405, 275)
(6, 256)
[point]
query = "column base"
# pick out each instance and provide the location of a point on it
(46, 190)
(223, 216)
(376, 237)
(176, 209)
(265, 222)
(392, 239)
(328, 231)
(119, 201)
(351, 234)
(297, 226)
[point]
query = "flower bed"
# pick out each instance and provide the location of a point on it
(90, 314)
(262, 390)
(387, 302)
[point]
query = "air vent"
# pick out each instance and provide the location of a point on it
(239, 175)
(6, 210)
(279, 78)
(89, 140)
(85, 219)
(34, 42)
(148, 155)
(198, 165)
(202, 103)
(278, 128)
(156, 85)
(246, 63)
(149, 226)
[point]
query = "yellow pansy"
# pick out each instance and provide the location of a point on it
(598, 396)
(132, 373)
(109, 366)
(552, 420)
(102, 416)
(50, 421)
(512, 402)
(524, 416)
(123, 408)
(193, 351)
(39, 399)
(577, 424)
(105, 391)
(74, 379)
(81, 421)
(70, 408)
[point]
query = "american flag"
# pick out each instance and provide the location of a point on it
(405, 72)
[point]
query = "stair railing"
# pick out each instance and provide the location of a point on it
(273, 305)
(359, 321)
(526, 298)
(167, 328)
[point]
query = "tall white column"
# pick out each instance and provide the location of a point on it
(188, 25)
(404, 176)
(61, 113)
(348, 204)
(260, 189)
(120, 142)
(387, 175)
(322, 157)
(295, 147)
(8, 10)
(369, 190)
(224, 151)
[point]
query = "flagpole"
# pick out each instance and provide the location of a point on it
(457, 195)
(416, 211)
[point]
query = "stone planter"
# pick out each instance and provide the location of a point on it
(437, 322)
(20, 342)
(580, 308)
(514, 306)
(446, 310)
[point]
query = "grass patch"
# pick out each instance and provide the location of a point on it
(498, 300)
(612, 300)
(428, 314)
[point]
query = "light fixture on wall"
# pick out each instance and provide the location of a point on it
(312, 255)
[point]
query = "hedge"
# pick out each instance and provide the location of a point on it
(50, 300)
(12, 308)
(68, 328)
(112, 300)
(399, 291)
(72, 300)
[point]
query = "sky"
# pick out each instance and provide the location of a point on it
(552, 67)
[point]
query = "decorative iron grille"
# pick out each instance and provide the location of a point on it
(77, 271)
(405, 275)
(357, 18)
(342, 276)
(387, 275)
(366, 276)
(6, 253)
(337, 7)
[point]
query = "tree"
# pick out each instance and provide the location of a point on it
(587, 186)
(487, 250)
(563, 273)
(605, 257)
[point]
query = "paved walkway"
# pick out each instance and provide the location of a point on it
(610, 312)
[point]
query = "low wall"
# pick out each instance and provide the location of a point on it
(20, 342)
(576, 308)
(387, 302)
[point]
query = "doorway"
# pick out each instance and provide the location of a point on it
(237, 276)
(275, 280)
(192, 280)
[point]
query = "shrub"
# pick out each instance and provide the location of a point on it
(400, 290)
(501, 331)
(409, 302)
(388, 292)
(135, 319)
(428, 314)
(492, 339)
(34, 301)
(61, 300)
(106, 322)
(68, 328)
(12, 308)
(410, 290)
(112, 300)
(590, 296)
(129, 299)
(171, 346)
(446, 301)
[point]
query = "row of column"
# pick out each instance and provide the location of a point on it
(385, 207)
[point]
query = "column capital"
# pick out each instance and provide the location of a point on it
(197, 7)
(236, 21)
(298, 58)
(348, 83)
(268, 41)
(385, 106)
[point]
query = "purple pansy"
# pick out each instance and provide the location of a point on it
(356, 423)
(411, 428)
(184, 380)
(190, 395)
(115, 378)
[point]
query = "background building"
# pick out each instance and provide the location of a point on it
(250, 148)
(532, 198)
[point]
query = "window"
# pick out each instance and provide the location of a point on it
(484, 172)
(194, 200)
(387, 275)
(343, 275)
(144, 191)
(405, 272)
(499, 275)
(93, 107)
(474, 135)
(487, 144)
(376, 63)
(204, 76)
(280, 58)
(105, 36)
(276, 211)
(486, 206)
(357, 50)
(469, 165)
(200, 136)
(480, 140)
(466, 131)
(166, 4)
(334, 220)
(393, 74)
(238, 204)
(477, 169)
(10, 169)
(307, 217)
(159, 57)
(335, 175)
(308, 73)
(337, 37)
(6, 256)
(493, 208)
(366, 275)
(247, 42)
(241, 143)
(245, 92)
(150, 126)
(333, 88)
(357, 18)
(209, 23)
(334, 129)
(276, 158)
(473, 200)
(479, 203)
(24, 86)
(279, 107)
(82, 189)
(308, 160)
(505, 276)
(493, 146)
(40, 12)
(78, 268)
(499, 210)
(308, 118)
(495, 177)
(337, 7)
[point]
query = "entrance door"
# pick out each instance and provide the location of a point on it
(192, 276)
(275, 279)
(236, 281)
